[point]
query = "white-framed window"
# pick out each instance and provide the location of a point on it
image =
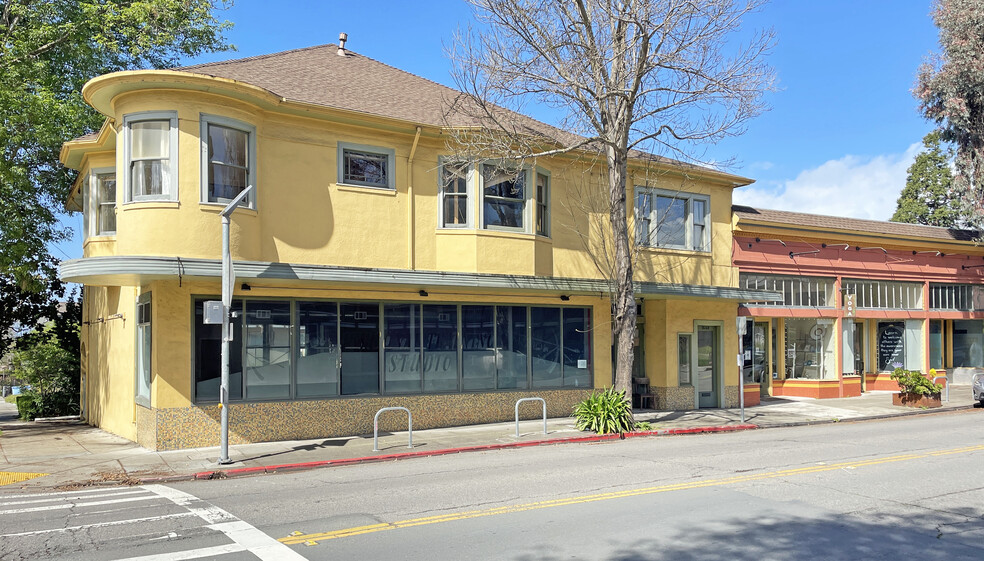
(454, 194)
(98, 202)
(366, 166)
(505, 198)
(542, 196)
(228, 159)
(143, 348)
(150, 150)
(672, 219)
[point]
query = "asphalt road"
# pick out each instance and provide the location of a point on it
(907, 487)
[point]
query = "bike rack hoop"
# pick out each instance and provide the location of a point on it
(375, 427)
(541, 400)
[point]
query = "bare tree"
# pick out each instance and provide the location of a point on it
(629, 78)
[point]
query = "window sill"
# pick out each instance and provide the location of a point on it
(677, 251)
(135, 205)
(101, 238)
(366, 189)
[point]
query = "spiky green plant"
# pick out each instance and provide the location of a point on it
(606, 412)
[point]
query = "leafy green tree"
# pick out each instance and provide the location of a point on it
(49, 49)
(25, 302)
(52, 375)
(927, 197)
(950, 89)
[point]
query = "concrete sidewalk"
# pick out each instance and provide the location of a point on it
(60, 454)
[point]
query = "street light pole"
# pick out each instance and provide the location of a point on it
(228, 282)
(742, 325)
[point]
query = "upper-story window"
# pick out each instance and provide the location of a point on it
(367, 166)
(454, 195)
(228, 159)
(542, 204)
(103, 201)
(672, 219)
(504, 197)
(151, 154)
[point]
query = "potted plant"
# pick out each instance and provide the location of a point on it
(915, 389)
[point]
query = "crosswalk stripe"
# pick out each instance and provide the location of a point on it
(190, 554)
(248, 536)
(78, 505)
(100, 524)
(76, 492)
(71, 497)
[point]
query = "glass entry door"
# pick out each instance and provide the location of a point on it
(708, 367)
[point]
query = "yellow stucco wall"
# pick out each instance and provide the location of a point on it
(303, 215)
(108, 356)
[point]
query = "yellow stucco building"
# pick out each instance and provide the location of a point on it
(372, 269)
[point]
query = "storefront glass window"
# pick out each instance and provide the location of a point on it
(317, 349)
(401, 339)
(547, 368)
(208, 356)
(936, 345)
(577, 348)
(510, 327)
(478, 347)
(968, 343)
(267, 350)
(440, 342)
(810, 349)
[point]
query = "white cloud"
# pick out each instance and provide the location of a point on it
(851, 186)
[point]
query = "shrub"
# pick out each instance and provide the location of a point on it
(913, 381)
(52, 376)
(607, 412)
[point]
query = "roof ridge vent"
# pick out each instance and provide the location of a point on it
(342, 37)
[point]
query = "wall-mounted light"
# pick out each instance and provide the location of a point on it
(794, 254)
(938, 253)
(422, 292)
(565, 297)
(759, 240)
(846, 245)
(245, 287)
(859, 248)
(965, 267)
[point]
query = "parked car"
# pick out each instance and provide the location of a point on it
(978, 385)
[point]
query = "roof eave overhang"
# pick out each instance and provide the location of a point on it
(747, 226)
(138, 270)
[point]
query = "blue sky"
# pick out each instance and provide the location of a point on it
(843, 126)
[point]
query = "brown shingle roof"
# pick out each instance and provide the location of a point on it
(852, 224)
(86, 137)
(353, 82)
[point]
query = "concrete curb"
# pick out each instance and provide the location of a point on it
(303, 466)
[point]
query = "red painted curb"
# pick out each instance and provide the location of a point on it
(246, 471)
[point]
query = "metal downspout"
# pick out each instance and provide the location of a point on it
(411, 230)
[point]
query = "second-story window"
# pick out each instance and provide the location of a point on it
(151, 147)
(454, 195)
(504, 197)
(670, 219)
(542, 204)
(366, 166)
(229, 160)
(105, 203)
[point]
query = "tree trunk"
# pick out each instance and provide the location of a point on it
(624, 320)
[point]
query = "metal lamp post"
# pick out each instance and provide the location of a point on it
(228, 283)
(742, 326)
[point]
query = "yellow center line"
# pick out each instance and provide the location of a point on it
(464, 515)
